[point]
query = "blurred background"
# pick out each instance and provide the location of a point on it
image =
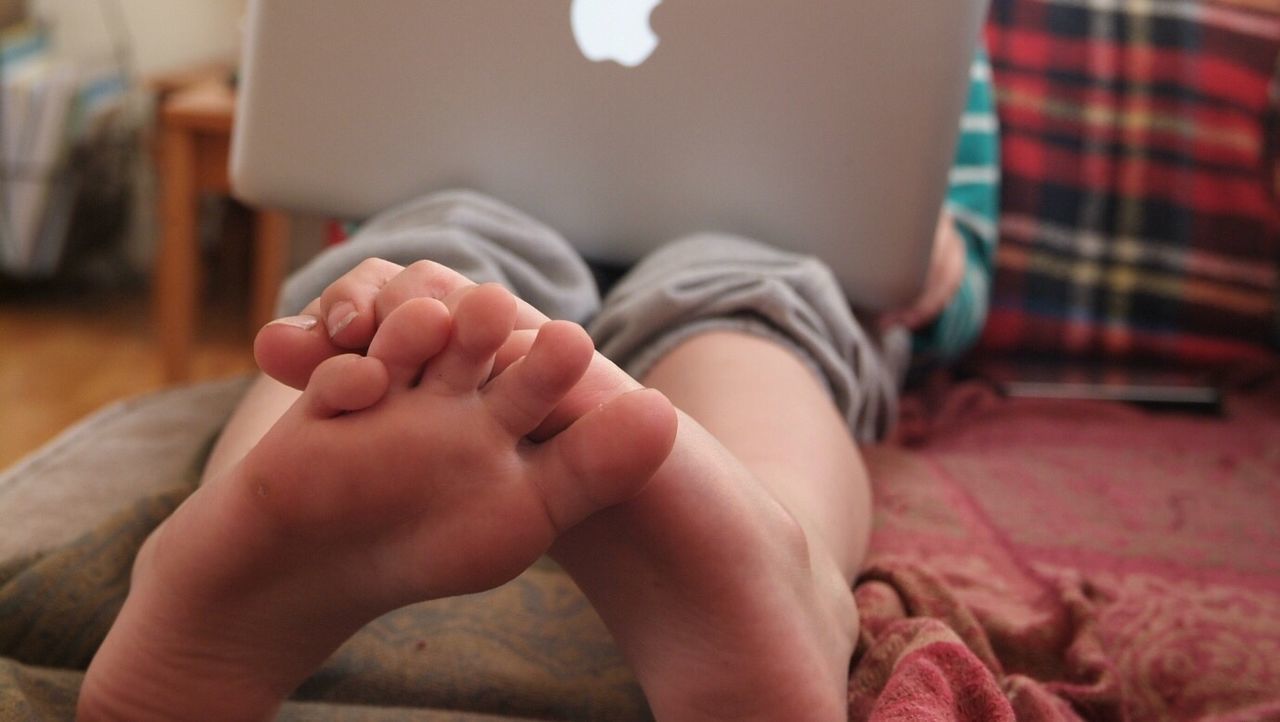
(124, 264)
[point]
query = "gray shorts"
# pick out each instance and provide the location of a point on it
(706, 282)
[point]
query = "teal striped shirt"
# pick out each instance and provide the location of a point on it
(973, 197)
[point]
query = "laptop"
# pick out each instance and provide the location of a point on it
(823, 126)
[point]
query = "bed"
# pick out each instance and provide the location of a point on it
(1037, 560)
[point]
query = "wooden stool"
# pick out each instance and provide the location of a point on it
(195, 145)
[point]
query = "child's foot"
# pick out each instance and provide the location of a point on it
(725, 606)
(397, 477)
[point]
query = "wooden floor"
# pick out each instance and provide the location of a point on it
(65, 354)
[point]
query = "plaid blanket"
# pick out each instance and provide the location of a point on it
(1140, 145)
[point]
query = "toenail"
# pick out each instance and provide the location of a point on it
(340, 317)
(306, 323)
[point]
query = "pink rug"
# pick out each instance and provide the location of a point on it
(1065, 560)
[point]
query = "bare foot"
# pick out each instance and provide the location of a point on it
(397, 477)
(725, 606)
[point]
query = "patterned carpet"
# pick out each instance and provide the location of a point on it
(1075, 560)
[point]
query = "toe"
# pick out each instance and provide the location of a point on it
(434, 280)
(347, 305)
(601, 382)
(605, 457)
(411, 335)
(344, 383)
(420, 279)
(483, 319)
(289, 349)
(524, 394)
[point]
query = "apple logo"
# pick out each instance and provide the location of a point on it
(616, 30)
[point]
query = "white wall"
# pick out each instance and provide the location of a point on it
(166, 34)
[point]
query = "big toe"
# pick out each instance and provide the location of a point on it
(289, 349)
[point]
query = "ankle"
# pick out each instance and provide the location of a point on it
(165, 658)
(139, 678)
(145, 699)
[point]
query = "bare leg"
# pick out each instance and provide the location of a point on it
(769, 410)
(726, 581)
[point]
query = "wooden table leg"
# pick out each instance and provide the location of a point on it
(176, 280)
(271, 257)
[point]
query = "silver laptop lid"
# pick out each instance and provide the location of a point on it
(825, 126)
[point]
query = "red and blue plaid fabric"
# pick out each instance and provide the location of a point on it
(1140, 143)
